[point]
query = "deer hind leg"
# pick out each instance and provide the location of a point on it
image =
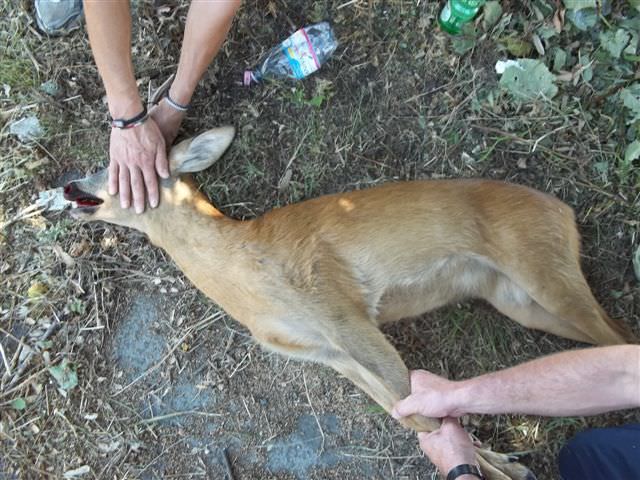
(363, 355)
(367, 358)
(567, 310)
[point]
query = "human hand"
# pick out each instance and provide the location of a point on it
(449, 446)
(431, 396)
(168, 120)
(136, 154)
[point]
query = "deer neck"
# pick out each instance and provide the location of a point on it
(188, 227)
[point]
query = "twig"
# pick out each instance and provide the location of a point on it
(227, 465)
(535, 144)
(25, 363)
(159, 418)
(28, 212)
(157, 95)
(313, 410)
(346, 4)
(7, 367)
(516, 138)
(153, 368)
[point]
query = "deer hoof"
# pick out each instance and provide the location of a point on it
(498, 466)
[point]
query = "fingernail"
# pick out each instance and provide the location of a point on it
(395, 414)
(139, 210)
(124, 204)
(153, 202)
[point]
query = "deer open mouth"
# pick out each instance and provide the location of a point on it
(80, 199)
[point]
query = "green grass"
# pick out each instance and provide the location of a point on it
(18, 73)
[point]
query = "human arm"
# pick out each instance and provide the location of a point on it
(207, 26)
(135, 154)
(579, 382)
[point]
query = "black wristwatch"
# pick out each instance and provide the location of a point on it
(130, 122)
(464, 469)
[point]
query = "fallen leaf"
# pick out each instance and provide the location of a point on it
(64, 256)
(529, 80)
(37, 289)
(492, 13)
(18, 404)
(79, 248)
(615, 42)
(631, 99)
(517, 46)
(580, 4)
(559, 60)
(463, 43)
(537, 43)
(632, 152)
(583, 19)
(78, 472)
(65, 375)
(558, 19)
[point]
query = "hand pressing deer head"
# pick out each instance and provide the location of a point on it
(93, 202)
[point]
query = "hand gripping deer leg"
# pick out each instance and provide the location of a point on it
(363, 355)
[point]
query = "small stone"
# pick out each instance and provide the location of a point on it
(50, 88)
(27, 129)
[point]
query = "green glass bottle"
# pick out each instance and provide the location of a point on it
(458, 12)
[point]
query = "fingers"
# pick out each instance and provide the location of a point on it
(450, 423)
(151, 184)
(162, 164)
(113, 177)
(409, 406)
(137, 187)
(124, 187)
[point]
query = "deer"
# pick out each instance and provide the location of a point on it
(316, 280)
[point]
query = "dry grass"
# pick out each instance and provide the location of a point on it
(397, 104)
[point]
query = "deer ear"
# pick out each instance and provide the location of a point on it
(196, 154)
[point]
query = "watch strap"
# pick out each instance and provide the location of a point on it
(139, 119)
(464, 469)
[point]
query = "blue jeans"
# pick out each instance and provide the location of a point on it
(602, 454)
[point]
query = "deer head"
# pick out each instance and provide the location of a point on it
(93, 202)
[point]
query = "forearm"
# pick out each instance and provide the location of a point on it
(109, 28)
(581, 382)
(207, 26)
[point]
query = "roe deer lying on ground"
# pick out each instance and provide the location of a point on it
(315, 280)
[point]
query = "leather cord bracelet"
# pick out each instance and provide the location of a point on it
(175, 105)
(124, 123)
(464, 469)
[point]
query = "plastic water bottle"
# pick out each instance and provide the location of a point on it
(298, 56)
(456, 13)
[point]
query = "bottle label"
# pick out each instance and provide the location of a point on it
(300, 54)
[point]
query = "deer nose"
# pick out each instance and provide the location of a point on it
(71, 191)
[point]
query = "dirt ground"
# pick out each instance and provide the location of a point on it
(171, 387)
